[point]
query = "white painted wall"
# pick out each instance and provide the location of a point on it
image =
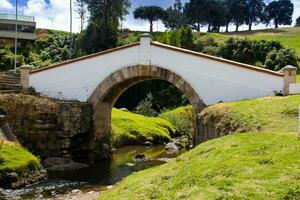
(295, 88)
(214, 81)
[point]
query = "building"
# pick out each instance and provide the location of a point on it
(26, 30)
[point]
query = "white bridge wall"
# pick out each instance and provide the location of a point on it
(214, 81)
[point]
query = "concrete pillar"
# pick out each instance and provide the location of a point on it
(145, 49)
(289, 73)
(102, 121)
(25, 70)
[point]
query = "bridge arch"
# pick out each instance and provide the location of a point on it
(110, 89)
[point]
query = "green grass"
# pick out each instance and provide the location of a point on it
(278, 114)
(15, 158)
(131, 128)
(289, 37)
(257, 165)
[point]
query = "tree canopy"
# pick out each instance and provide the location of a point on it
(280, 12)
(150, 13)
(297, 22)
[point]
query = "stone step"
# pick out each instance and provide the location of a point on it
(10, 81)
(7, 86)
(9, 91)
(10, 76)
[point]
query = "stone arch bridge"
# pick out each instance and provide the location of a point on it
(102, 77)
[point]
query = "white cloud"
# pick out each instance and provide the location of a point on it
(52, 15)
(5, 5)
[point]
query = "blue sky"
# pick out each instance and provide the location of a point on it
(54, 14)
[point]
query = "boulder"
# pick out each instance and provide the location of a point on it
(171, 148)
(62, 164)
(140, 158)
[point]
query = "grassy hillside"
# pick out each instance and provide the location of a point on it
(130, 128)
(268, 114)
(258, 165)
(289, 37)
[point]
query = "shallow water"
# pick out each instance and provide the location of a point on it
(98, 176)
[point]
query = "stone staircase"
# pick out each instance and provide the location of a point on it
(10, 83)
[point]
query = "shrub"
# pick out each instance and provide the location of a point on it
(145, 107)
(183, 118)
(272, 53)
(277, 59)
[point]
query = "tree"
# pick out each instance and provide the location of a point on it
(174, 16)
(186, 37)
(150, 13)
(196, 12)
(280, 12)
(80, 6)
(254, 10)
(107, 11)
(99, 37)
(297, 22)
(216, 16)
(237, 10)
(102, 30)
(227, 14)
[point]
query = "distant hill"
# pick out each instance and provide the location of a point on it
(289, 37)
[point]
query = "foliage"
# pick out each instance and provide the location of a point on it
(98, 37)
(186, 37)
(182, 117)
(174, 16)
(145, 107)
(165, 95)
(80, 8)
(272, 54)
(17, 159)
(255, 10)
(7, 59)
(237, 11)
(237, 166)
(297, 22)
(102, 30)
(107, 11)
(52, 49)
(196, 12)
(130, 128)
(277, 59)
(150, 13)
(280, 11)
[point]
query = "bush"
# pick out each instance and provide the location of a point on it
(183, 118)
(272, 54)
(277, 59)
(145, 107)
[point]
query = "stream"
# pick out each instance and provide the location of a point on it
(98, 177)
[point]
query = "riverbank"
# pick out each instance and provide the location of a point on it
(102, 176)
(18, 167)
(260, 163)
